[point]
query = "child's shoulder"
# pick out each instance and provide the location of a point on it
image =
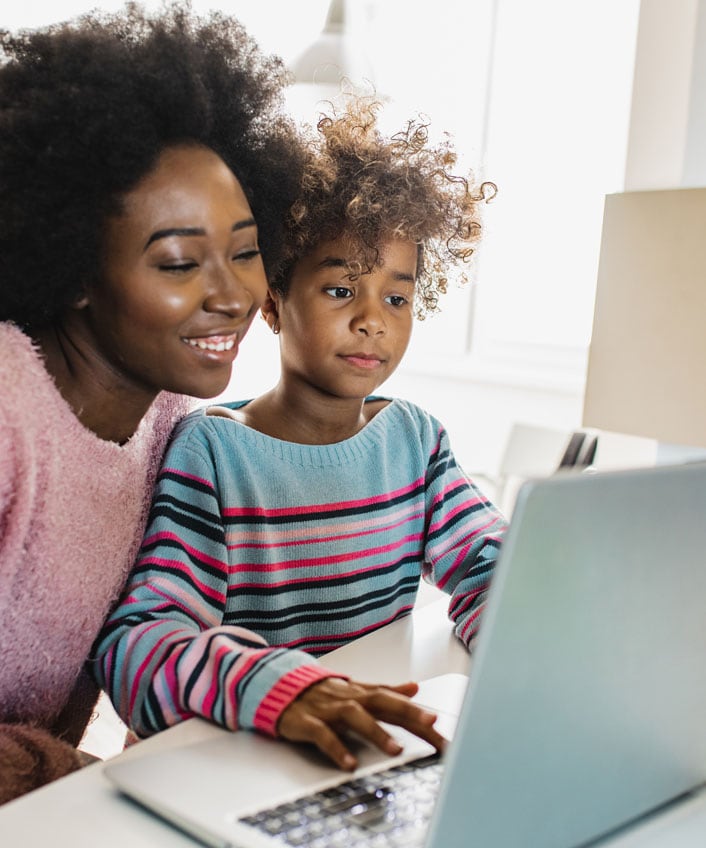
(406, 413)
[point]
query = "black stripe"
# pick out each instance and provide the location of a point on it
(302, 614)
(318, 515)
(212, 531)
(186, 482)
(313, 647)
(334, 580)
(149, 569)
(186, 507)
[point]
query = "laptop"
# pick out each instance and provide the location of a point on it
(584, 710)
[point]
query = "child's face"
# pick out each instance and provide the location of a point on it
(346, 336)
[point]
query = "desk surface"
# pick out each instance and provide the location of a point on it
(83, 810)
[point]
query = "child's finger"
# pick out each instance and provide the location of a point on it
(408, 689)
(352, 715)
(301, 726)
(404, 713)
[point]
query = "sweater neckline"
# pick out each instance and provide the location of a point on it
(334, 454)
(343, 443)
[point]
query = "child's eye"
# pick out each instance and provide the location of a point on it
(396, 300)
(339, 292)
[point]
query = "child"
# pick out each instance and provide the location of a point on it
(285, 526)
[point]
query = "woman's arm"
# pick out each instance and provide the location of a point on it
(31, 757)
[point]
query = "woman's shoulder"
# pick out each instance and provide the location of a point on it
(24, 381)
(17, 348)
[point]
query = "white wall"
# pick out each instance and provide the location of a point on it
(537, 94)
(537, 98)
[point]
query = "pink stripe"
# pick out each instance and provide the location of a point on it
(350, 635)
(325, 560)
(459, 561)
(411, 510)
(143, 665)
(204, 613)
(285, 690)
(355, 534)
(174, 565)
(324, 507)
(198, 554)
(447, 517)
(317, 578)
(467, 601)
(177, 472)
(466, 630)
(212, 666)
(452, 487)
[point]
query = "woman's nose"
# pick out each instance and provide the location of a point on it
(236, 291)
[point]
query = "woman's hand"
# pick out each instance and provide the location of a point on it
(329, 708)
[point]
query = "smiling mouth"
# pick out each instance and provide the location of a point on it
(214, 343)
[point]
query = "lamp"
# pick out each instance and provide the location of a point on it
(647, 356)
(332, 67)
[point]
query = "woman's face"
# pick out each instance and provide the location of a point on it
(182, 277)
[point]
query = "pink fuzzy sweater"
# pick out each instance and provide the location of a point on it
(72, 514)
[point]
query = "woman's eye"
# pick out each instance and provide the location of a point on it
(339, 292)
(396, 300)
(247, 255)
(177, 267)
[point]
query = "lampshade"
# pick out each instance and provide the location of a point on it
(648, 348)
(334, 66)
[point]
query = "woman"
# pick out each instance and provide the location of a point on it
(137, 154)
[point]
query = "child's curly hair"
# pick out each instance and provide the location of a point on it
(370, 188)
(86, 108)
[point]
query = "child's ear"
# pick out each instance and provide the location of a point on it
(270, 312)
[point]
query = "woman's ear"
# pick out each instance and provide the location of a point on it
(80, 302)
(270, 311)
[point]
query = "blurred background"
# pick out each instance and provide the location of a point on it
(537, 97)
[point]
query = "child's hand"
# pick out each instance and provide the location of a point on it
(332, 706)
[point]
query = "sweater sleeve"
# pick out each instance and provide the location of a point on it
(463, 535)
(164, 654)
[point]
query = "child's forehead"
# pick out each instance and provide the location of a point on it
(349, 254)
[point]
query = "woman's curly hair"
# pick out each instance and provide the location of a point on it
(369, 188)
(86, 108)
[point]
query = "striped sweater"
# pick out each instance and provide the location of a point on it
(262, 554)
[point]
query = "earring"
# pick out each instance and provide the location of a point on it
(275, 328)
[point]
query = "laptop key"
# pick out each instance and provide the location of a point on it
(384, 810)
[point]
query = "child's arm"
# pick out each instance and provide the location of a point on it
(164, 653)
(464, 532)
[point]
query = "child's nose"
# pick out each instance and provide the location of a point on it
(369, 321)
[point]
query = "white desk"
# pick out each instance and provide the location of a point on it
(83, 811)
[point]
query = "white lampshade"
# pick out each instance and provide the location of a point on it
(648, 350)
(332, 67)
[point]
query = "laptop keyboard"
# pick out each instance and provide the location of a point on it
(382, 810)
